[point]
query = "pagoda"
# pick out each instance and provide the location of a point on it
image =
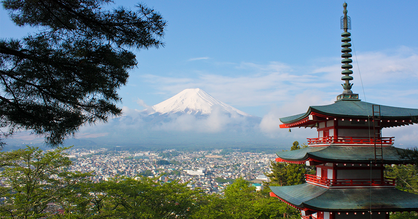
(349, 154)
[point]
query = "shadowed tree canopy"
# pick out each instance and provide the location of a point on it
(68, 73)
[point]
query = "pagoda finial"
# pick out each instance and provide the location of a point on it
(346, 58)
(346, 18)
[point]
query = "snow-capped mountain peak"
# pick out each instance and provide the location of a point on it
(194, 101)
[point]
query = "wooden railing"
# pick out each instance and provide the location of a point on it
(386, 141)
(349, 182)
(309, 217)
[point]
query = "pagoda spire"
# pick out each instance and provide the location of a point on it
(346, 58)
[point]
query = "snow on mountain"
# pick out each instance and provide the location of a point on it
(194, 101)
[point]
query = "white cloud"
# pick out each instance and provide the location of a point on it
(26, 136)
(405, 136)
(271, 67)
(270, 122)
(379, 68)
(217, 121)
(300, 104)
(92, 135)
(143, 104)
(267, 84)
(385, 77)
(184, 122)
(198, 58)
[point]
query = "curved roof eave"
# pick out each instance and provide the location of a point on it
(354, 109)
(346, 154)
(295, 118)
(364, 199)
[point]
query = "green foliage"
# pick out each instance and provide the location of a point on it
(146, 173)
(242, 191)
(295, 146)
(162, 162)
(33, 179)
(68, 74)
(285, 174)
(411, 154)
(222, 180)
(271, 207)
(169, 154)
(242, 201)
(175, 173)
(226, 151)
(143, 197)
(406, 177)
(404, 215)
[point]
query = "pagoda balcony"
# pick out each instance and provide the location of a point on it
(385, 141)
(316, 180)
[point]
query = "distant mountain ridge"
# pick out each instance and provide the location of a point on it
(194, 101)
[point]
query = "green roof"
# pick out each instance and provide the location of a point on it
(355, 109)
(360, 199)
(298, 194)
(341, 154)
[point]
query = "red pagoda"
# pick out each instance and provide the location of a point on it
(349, 154)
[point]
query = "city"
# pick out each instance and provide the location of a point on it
(211, 171)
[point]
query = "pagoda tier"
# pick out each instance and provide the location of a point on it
(352, 112)
(361, 201)
(348, 154)
(351, 122)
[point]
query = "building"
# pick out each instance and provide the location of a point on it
(198, 172)
(349, 154)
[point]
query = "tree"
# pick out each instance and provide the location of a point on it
(404, 215)
(239, 197)
(406, 177)
(143, 197)
(406, 180)
(285, 174)
(242, 201)
(295, 146)
(68, 74)
(162, 162)
(411, 154)
(270, 207)
(33, 179)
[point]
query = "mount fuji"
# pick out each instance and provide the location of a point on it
(194, 102)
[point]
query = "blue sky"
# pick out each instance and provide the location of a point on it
(274, 58)
(256, 56)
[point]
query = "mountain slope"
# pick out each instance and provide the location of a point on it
(194, 101)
